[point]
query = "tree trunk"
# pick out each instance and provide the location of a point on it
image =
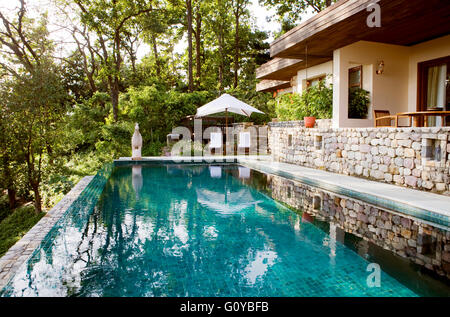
(37, 199)
(115, 101)
(221, 62)
(236, 44)
(133, 63)
(198, 22)
(113, 83)
(9, 181)
(12, 198)
(189, 29)
(155, 52)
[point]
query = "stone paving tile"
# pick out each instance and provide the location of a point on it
(20, 252)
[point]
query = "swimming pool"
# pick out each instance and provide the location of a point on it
(193, 230)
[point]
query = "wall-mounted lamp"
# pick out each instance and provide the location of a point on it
(380, 67)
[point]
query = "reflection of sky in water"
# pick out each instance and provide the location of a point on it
(258, 267)
(180, 231)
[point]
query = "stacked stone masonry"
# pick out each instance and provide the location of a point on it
(420, 242)
(412, 157)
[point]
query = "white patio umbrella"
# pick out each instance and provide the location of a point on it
(226, 203)
(226, 103)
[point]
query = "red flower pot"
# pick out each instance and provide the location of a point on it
(309, 122)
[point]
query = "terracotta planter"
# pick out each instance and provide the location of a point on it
(309, 122)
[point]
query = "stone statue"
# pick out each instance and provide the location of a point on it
(136, 144)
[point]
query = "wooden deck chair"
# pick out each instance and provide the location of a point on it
(383, 118)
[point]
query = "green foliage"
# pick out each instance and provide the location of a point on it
(158, 111)
(14, 226)
(115, 140)
(4, 207)
(153, 148)
(289, 12)
(36, 106)
(316, 101)
(257, 100)
(86, 121)
(54, 188)
(358, 103)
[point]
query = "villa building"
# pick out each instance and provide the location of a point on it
(398, 50)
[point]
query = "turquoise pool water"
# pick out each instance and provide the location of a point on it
(192, 230)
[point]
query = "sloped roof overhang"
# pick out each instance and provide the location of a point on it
(403, 22)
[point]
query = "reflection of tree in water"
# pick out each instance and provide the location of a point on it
(163, 242)
(128, 261)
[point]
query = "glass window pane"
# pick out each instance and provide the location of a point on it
(354, 77)
(436, 86)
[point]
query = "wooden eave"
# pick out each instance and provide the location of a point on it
(272, 85)
(403, 22)
(278, 69)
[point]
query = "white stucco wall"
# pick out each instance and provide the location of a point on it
(394, 90)
(420, 53)
(313, 72)
(388, 91)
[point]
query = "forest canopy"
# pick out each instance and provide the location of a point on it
(68, 105)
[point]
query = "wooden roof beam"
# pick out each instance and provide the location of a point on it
(272, 85)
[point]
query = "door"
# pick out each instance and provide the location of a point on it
(434, 88)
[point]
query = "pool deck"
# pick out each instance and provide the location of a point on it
(430, 207)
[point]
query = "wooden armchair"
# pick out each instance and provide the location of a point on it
(383, 118)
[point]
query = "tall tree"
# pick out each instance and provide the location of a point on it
(38, 103)
(189, 39)
(86, 50)
(7, 149)
(21, 44)
(34, 100)
(155, 25)
(110, 27)
(198, 18)
(219, 21)
(239, 7)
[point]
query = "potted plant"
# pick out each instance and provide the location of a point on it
(309, 122)
(358, 103)
(317, 103)
(314, 103)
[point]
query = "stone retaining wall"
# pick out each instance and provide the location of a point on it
(408, 237)
(412, 157)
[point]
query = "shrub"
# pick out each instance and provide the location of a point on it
(116, 139)
(13, 227)
(152, 149)
(316, 102)
(4, 207)
(358, 103)
(54, 188)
